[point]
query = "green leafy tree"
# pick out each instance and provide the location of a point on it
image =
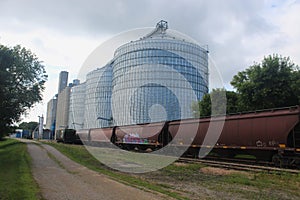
(296, 83)
(22, 79)
(272, 83)
(224, 102)
(28, 125)
(202, 108)
(232, 100)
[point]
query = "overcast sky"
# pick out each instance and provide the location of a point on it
(63, 33)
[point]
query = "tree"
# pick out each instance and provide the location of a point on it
(202, 108)
(28, 125)
(224, 102)
(272, 83)
(22, 79)
(296, 83)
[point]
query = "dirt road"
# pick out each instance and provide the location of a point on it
(61, 178)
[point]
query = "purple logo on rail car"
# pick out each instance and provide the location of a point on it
(148, 81)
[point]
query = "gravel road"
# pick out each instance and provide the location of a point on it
(61, 178)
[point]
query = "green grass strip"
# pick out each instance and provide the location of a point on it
(80, 155)
(16, 180)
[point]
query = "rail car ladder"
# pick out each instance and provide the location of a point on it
(297, 136)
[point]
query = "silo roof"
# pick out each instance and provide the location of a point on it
(161, 31)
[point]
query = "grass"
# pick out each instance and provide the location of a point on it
(188, 181)
(16, 181)
(262, 185)
(80, 155)
(245, 185)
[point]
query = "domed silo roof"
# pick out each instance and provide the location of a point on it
(157, 77)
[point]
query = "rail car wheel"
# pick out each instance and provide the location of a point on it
(229, 153)
(174, 150)
(192, 152)
(277, 161)
(165, 138)
(297, 163)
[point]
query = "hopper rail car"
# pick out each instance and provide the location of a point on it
(270, 135)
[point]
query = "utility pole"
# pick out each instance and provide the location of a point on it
(41, 124)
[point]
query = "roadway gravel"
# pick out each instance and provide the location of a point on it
(61, 178)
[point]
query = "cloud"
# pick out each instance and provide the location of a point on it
(64, 33)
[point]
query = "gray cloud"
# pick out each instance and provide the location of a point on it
(114, 16)
(228, 27)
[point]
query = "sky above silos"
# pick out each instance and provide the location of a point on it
(63, 33)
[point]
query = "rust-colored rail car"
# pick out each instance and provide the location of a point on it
(141, 136)
(272, 135)
(101, 136)
(268, 134)
(83, 134)
(260, 129)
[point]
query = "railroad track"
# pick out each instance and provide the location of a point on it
(238, 166)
